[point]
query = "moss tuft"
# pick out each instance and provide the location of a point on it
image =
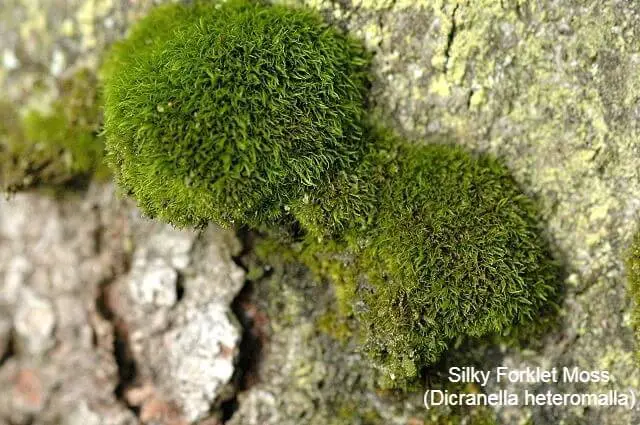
(456, 252)
(241, 112)
(58, 147)
(229, 112)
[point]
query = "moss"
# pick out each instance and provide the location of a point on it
(248, 113)
(451, 249)
(633, 277)
(58, 147)
(456, 251)
(335, 325)
(348, 204)
(228, 112)
(353, 414)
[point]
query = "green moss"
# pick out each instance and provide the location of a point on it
(241, 112)
(335, 325)
(454, 251)
(633, 277)
(350, 413)
(348, 204)
(229, 112)
(57, 147)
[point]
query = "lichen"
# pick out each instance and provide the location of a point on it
(633, 277)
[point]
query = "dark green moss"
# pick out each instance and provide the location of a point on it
(247, 113)
(456, 251)
(59, 147)
(453, 250)
(229, 112)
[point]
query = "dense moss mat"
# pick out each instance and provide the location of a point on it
(251, 114)
(455, 251)
(228, 112)
(633, 276)
(59, 147)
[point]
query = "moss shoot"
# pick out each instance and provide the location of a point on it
(228, 112)
(61, 146)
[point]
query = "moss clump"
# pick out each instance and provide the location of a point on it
(228, 112)
(456, 252)
(57, 147)
(633, 277)
(250, 113)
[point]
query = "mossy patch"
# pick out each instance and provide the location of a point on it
(449, 249)
(253, 114)
(60, 146)
(324, 365)
(335, 325)
(228, 112)
(456, 251)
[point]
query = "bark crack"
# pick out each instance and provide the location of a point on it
(451, 36)
(246, 372)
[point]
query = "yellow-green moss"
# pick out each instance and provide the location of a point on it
(228, 112)
(335, 325)
(350, 413)
(60, 146)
